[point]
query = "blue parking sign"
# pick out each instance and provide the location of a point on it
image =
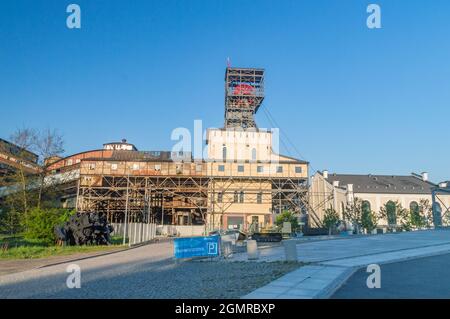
(206, 246)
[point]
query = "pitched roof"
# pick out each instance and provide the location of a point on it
(163, 156)
(385, 184)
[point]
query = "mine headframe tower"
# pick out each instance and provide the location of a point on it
(244, 93)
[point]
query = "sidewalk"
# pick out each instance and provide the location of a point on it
(334, 261)
(10, 266)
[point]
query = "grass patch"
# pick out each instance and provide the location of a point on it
(20, 248)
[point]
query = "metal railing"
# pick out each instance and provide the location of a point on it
(136, 233)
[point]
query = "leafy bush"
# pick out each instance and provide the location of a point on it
(10, 221)
(40, 223)
(287, 216)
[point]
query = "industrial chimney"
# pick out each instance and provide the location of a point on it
(325, 174)
(425, 176)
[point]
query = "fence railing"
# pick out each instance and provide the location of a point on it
(136, 233)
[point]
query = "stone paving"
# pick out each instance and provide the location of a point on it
(334, 261)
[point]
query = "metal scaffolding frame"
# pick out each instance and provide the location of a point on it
(163, 199)
(144, 198)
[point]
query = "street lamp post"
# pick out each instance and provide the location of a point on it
(126, 213)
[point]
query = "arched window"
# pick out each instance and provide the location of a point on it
(254, 154)
(414, 210)
(365, 206)
(391, 213)
(224, 153)
(365, 212)
(414, 207)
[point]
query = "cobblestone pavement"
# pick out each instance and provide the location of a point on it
(144, 272)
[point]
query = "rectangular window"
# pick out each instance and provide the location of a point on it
(259, 169)
(221, 168)
(92, 166)
(69, 162)
(113, 167)
(259, 198)
(240, 168)
(157, 167)
(198, 167)
(241, 197)
(235, 199)
(298, 169)
(135, 167)
(220, 197)
(279, 169)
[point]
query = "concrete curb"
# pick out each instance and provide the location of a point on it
(336, 284)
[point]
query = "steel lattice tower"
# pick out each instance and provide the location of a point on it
(244, 93)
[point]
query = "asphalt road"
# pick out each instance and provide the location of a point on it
(427, 277)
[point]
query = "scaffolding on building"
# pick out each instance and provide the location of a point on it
(187, 200)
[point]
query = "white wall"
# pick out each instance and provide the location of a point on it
(181, 231)
(240, 144)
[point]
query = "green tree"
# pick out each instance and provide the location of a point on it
(417, 218)
(369, 220)
(287, 216)
(47, 144)
(330, 218)
(396, 215)
(18, 183)
(426, 211)
(353, 213)
(27, 186)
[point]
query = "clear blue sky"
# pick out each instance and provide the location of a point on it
(353, 100)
